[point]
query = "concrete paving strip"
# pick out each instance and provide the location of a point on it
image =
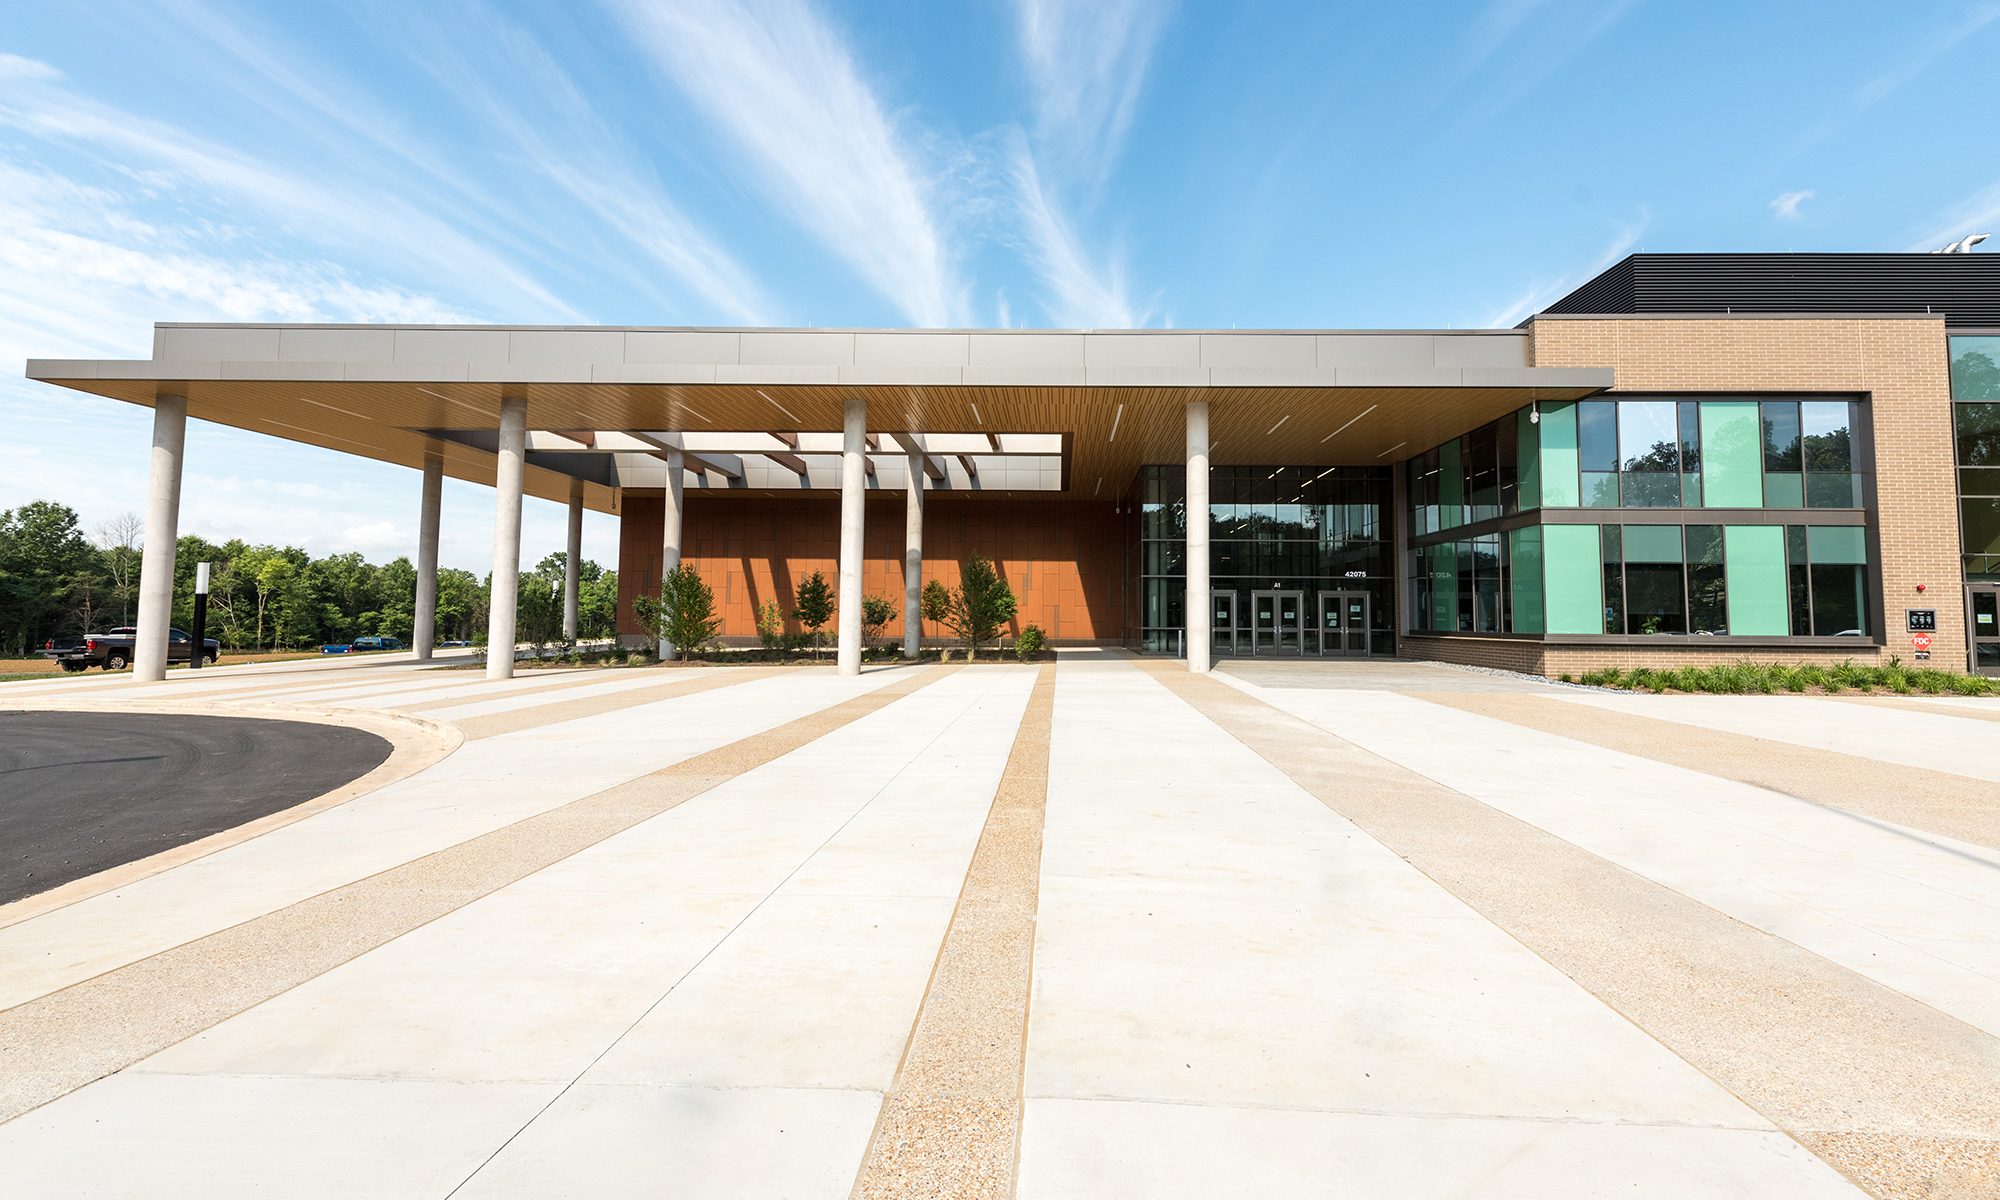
(1895, 1094)
(470, 688)
(459, 706)
(521, 719)
(1935, 708)
(59, 1042)
(950, 1123)
(1933, 801)
(1830, 723)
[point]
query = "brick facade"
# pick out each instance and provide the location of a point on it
(1899, 364)
(1065, 559)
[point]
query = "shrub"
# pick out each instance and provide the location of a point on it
(770, 626)
(813, 606)
(683, 615)
(1029, 645)
(876, 612)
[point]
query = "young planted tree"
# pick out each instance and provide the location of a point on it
(976, 610)
(876, 612)
(687, 617)
(813, 606)
(770, 626)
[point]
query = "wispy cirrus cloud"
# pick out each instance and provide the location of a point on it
(511, 83)
(1977, 213)
(1539, 294)
(1077, 292)
(1915, 61)
(1086, 66)
(784, 87)
(35, 102)
(1785, 205)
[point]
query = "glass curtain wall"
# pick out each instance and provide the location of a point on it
(1482, 560)
(1289, 529)
(1975, 392)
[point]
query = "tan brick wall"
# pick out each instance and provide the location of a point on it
(1537, 658)
(1899, 364)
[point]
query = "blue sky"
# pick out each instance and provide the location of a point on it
(802, 162)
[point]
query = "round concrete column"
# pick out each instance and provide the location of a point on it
(853, 481)
(670, 526)
(163, 517)
(913, 561)
(1199, 640)
(506, 590)
(423, 630)
(573, 562)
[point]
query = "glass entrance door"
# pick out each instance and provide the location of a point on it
(1277, 622)
(1222, 622)
(1343, 623)
(1984, 609)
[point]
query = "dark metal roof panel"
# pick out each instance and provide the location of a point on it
(1965, 288)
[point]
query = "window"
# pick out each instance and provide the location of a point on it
(1975, 368)
(1784, 468)
(1597, 452)
(1707, 581)
(1838, 557)
(1655, 586)
(1649, 453)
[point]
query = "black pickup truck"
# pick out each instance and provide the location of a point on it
(113, 650)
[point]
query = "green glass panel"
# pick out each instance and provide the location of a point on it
(1558, 456)
(1754, 557)
(1975, 368)
(1575, 580)
(1652, 543)
(1600, 489)
(1451, 486)
(1826, 544)
(1526, 579)
(1784, 489)
(1444, 587)
(1824, 490)
(1529, 448)
(1978, 434)
(1732, 454)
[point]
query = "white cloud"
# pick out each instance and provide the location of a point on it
(316, 208)
(1087, 63)
(785, 88)
(1540, 294)
(1785, 206)
(1086, 66)
(1977, 213)
(1079, 293)
(1912, 64)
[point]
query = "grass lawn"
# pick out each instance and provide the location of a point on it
(47, 668)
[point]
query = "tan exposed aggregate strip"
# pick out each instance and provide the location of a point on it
(1901, 1098)
(521, 719)
(950, 1123)
(557, 681)
(53, 1045)
(1934, 801)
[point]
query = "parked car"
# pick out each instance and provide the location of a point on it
(375, 643)
(113, 650)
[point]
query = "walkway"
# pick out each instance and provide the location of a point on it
(1089, 929)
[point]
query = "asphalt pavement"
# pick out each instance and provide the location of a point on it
(84, 792)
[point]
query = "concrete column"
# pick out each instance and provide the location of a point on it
(573, 563)
(163, 519)
(913, 561)
(853, 481)
(506, 589)
(1199, 639)
(670, 526)
(423, 630)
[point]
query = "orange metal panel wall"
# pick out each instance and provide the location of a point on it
(1065, 559)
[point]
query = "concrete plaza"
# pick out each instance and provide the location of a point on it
(1092, 928)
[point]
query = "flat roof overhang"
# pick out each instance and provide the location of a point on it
(1306, 398)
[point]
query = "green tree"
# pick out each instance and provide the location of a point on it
(812, 607)
(597, 602)
(685, 612)
(538, 610)
(44, 558)
(974, 611)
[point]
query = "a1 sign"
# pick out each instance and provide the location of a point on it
(1920, 641)
(1922, 620)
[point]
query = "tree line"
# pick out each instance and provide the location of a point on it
(58, 581)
